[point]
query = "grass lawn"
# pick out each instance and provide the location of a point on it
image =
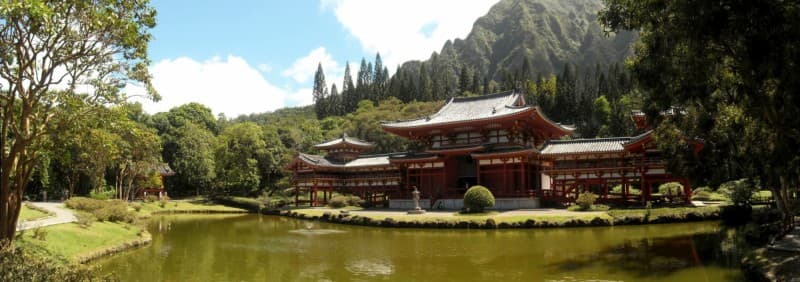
(186, 206)
(663, 212)
(456, 217)
(70, 242)
(27, 214)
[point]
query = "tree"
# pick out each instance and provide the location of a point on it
(102, 44)
(318, 92)
(240, 146)
(602, 116)
(194, 161)
(731, 69)
(140, 156)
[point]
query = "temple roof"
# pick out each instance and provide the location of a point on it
(579, 146)
(343, 141)
(165, 170)
(461, 109)
(364, 161)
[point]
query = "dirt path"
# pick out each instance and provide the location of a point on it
(62, 215)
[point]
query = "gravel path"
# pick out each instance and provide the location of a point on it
(62, 215)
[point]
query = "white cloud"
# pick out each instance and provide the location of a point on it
(303, 69)
(230, 86)
(406, 29)
(265, 68)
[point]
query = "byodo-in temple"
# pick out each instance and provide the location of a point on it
(496, 141)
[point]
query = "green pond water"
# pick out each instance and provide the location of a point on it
(271, 248)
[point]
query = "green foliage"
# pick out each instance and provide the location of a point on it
(136, 206)
(103, 210)
(586, 200)
(739, 191)
(150, 198)
(105, 194)
(338, 202)
(19, 264)
(742, 97)
(477, 198)
(671, 188)
(84, 219)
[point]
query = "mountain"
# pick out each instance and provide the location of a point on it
(549, 33)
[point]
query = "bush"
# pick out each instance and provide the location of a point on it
(18, 264)
(701, 195)
(114, 210)
(354, 201)
(702, 189)
(477, 198)
(671, 189)
(84, 220)
(586, 200)
(102, 195)
(338, 202)
(740, 191)
(150, 198)
(136, 206)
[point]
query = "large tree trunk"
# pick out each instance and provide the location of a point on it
(782, 203)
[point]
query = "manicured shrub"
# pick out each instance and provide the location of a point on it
(84, 219)
(702, 189)
(701, 196)
(671, 189)
(354, 201)
(477, 198)
(150, 198)
(586, 200)
(338, 202)
(114, 210)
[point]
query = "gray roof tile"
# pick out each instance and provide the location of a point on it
(597, 145)
(469, 108)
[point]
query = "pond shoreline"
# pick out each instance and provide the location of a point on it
(144, 239)
(494, 222)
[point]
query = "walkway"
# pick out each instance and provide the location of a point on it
(789, 243)
(62, 215)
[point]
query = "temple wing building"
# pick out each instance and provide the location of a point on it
(493, 140)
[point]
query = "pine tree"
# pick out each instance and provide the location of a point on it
(334, 102)
(319, 91)
(464, 81)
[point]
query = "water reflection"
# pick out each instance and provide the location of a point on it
(371, 267)
(259, 248)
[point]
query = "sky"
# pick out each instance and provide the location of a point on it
(249, 56)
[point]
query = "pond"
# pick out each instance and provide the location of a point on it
(272, 248)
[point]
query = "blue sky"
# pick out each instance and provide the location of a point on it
(256, 56)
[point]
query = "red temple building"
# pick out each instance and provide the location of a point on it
(494, 140)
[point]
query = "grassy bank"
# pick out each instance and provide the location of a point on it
(200, 205)
(491, 219)
(494, 219)
(28, 213)
(72, 243)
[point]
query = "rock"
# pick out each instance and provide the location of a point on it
(597, 221)
(530, 223)
(504, 225)
(462, 224)
(490, 223)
